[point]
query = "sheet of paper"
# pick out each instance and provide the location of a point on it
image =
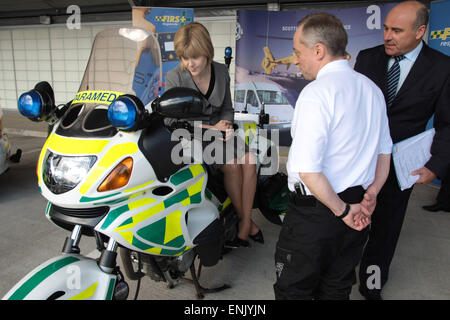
(411, 154)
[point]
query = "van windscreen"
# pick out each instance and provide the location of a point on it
(272, 97)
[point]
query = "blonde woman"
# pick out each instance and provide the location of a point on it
(198, 71)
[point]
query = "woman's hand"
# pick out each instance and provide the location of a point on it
(223, 125)
(226, 126)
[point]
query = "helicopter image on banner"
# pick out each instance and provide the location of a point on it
(269, 62)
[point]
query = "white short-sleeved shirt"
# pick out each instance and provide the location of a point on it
(339, 127)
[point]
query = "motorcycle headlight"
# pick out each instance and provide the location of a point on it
(63, 173)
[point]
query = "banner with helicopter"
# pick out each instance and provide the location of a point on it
(265, 75)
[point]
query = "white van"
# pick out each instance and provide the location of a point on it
(249, 96)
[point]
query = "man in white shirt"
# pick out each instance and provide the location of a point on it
(340, 153)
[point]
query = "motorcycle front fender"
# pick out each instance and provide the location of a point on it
(66, 277)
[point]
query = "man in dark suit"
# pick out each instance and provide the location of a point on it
(422, 88)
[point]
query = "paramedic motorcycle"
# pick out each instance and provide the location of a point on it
(107, 172)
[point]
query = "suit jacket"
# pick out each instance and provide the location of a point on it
(426, 91)
(220, 98)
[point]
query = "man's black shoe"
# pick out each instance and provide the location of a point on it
(370, 294)
(435, 207)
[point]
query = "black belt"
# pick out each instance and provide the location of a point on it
(303, 200)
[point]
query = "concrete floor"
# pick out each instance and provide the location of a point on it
(419, 270)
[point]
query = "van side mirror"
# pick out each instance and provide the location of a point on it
(246, 107)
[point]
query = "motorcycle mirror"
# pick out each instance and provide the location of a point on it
(45, 88)
(182, 103)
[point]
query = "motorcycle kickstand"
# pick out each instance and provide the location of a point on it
(198, 288)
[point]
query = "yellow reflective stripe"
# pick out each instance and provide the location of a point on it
(249, 127)
(185, 249)
(86, 294)
(185, 202)
(135, 195)
(154, 250)
(41, 158)
(143, 215)
(140, 203)
(131, 206)
(226, 203)
(196, 188)
(196, 169)
(127, 235)
(125, 227)
(67, 145)
(139, 187)
(173, 226)
(116, 152)
(96, 96)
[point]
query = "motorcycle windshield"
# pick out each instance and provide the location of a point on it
(123, 60)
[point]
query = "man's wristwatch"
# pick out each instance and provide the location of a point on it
(346, 211)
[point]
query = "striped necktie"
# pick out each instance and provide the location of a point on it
(393, 76)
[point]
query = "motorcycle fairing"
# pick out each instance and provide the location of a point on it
(164, 225)
(66, 277)
(156, 145)
(165, 230)
(109, 153)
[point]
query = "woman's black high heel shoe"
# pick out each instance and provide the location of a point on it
(258, 237)
(236, 243)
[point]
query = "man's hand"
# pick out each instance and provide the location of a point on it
(356, 219)
(369, 202)
(426, 175)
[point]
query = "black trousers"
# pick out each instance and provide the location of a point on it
(317, 253)
(387, 221)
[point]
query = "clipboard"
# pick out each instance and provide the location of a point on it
(411, 154)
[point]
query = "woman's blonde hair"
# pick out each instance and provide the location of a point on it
(193, 40)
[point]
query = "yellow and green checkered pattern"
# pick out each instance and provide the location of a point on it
(167, 230)
(173, 19)
(440, 34)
